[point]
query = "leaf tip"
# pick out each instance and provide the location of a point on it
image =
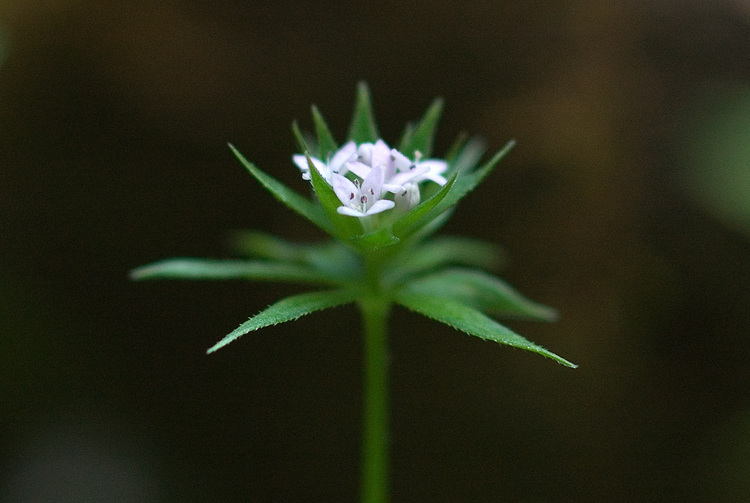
(299, 137)
(559, 359)
(136, 274)
(362, 87)
(568, 364)
(223, 342)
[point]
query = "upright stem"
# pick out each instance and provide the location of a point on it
(374, 309)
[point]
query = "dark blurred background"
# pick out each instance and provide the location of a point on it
(626, 205)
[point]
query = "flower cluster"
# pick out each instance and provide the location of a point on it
(381, 205)
(364, 176)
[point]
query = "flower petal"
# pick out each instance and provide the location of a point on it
(380, 206)
(364, 153)
(345, 190)
(393, 188)
(435, 165)
(400, 161)
(440, 180)
(301, 161)
(413, 175)
(372, 185)
(409, 198)
(358, 168)
(351, 212)
(344, 154)
(381, 154)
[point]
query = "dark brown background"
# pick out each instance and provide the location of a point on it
(114, 118)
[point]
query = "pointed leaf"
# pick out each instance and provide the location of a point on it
(421, 138)
(470, 321)
(475, 177)
(347, 227)
(484, 292)
(407, 224)
(431, 227)
(301, 205)
(326, 143)
(206, 269)
(288, 309)
(265, 245)
(445, 250)
(464, 183)
(456, 147)
(331, 257)
(467, 155)
(363, 128)
(406, 135)
(304, 141)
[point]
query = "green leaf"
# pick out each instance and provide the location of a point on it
(288, 309)
(326, 143)
(265, 245)
(466, 154)
(431, 227)
(409, 223)
(304, 141)
(301, 205)
(464, 183)
(445, 250)
(363, 128)
(484, 292)
(406, 135)
(470, 321)
(475, 177)
(421, 137)
(456, 147)
(378, 239)
(347, 227)
(206, 269)
(330, 257)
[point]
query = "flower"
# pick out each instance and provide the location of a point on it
(418, 171)
(409, 198)
(376, 168)
(361, 200)
(326, 169)
(399, 169)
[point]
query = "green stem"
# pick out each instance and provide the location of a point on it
(374, 309)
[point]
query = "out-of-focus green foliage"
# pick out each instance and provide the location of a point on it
(718, 155)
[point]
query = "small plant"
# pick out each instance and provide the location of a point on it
(381, 206)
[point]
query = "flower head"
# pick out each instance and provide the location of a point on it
(359, 174)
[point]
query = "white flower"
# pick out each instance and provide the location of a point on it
(361, 200)
(399, 169)
(409, 198)
(336, 163)
(377, 168)
(419, 170)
